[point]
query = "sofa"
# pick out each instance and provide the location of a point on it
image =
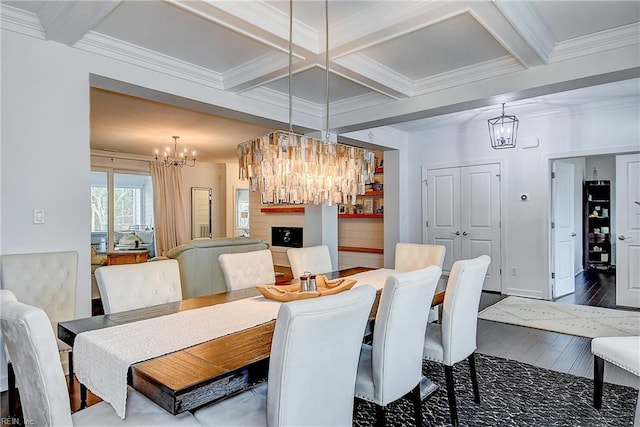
(200, 271)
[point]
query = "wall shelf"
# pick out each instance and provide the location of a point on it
(373, 193)
(284, 209)
(357, 249)
(352, 216)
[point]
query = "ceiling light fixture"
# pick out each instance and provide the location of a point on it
(175, 160)
(286, 167)
(503, 131)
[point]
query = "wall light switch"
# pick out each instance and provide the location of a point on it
(38, 216)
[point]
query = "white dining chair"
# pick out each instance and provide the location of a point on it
(314, 259)
(312, 367)
(130, 286)
(414, 256)
(43, 393)
(47, 280)
(391, 367)
(454, 339)
(247, 269)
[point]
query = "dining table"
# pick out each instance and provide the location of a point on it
(213, 370)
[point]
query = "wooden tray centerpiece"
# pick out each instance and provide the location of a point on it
(292, 292)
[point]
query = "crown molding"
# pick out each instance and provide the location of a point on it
(486, 70)
(20, 21)
(524, 19)
(136, 55)
(367, 67)
(628, 35)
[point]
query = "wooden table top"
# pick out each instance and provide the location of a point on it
(198, 375)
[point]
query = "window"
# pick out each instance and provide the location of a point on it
(130, 209)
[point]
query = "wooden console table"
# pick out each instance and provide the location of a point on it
(126, 257)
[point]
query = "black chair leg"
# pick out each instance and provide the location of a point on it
(83, 396)
(11, 384)
(416, 398)
(474, 377)
(71, 379)
(598, 380)
(380, 415)
(451, 394)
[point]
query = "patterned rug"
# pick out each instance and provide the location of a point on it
(580, 320)
(512, 394)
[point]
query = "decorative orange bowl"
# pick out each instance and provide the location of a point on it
(292, 292)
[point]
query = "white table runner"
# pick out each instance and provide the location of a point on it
(102, 357)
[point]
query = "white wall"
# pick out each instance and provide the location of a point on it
(45, 141)
(608, 128)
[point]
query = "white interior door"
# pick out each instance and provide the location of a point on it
(463, 213)
(480, 218)
(443, 212)
(563, 230)
(627, 216)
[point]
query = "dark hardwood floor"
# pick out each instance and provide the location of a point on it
(550, 350)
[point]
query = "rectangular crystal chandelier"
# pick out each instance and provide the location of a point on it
(286, 167)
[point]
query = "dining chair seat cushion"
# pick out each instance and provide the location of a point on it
(314, 259)
(245, 409)
(131, 286)
(433, 349)
(249, 269)
(623, 352)
(140, 412)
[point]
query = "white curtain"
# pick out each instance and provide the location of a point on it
(172, 225)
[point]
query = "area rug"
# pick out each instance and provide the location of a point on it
(580, 320)
(512, 394)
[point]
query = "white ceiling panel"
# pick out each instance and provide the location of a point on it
(310, 86)
(448, 45)
(569, 19)
(172, 31)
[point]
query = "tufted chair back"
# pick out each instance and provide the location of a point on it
(130, 286)
(315, 259)
(244, 270)
(460, 308)
(46, 280)
(317, 342)
(32, 346)
(414, 256)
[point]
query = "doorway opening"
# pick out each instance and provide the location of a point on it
(582, 220)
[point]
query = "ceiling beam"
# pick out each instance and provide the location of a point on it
(68, 21)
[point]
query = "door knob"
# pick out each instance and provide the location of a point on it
(457, 233)
(573, 234)
(621, 237)
(464, 233)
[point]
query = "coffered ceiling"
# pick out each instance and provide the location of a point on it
(391, 62)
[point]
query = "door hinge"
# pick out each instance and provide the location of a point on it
(553, 174)
(500, 272)
(553, 224)
(553, 275)
(426, 224)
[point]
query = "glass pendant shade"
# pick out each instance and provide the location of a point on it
(286, 167)
(503, 131)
